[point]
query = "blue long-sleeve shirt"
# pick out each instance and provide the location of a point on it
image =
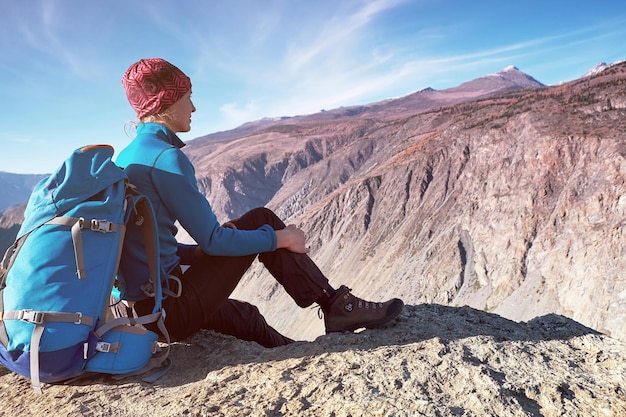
(158, 168)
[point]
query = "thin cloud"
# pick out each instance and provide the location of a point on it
(327, 71)
(15, 138)
(336, 32)
(44, 31)
(239, 114)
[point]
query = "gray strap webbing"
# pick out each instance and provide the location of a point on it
(126, 321)
(77, 224)
(107, 347)
(149, 237)
(39, 319)
(4, 337)
(163, 329)
(145, 220)
(160, 361)
(77, 240)
(34, 357)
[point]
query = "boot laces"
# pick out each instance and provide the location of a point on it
(360, 303)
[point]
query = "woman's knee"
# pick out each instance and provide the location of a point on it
(264, 212)
(257, 217)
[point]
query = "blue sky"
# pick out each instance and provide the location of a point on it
(61, 61)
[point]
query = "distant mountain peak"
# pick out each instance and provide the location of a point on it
(507, 78)
(598, 68)
(509, 68)
(601, 66)
(509, 71)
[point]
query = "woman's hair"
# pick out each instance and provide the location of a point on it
(161, 117)
(130, 127)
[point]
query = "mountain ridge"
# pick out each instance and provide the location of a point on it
(254, 125)
(507, 79)
(16, 188)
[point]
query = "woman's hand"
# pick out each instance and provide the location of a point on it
(229, 225)
(291, 238)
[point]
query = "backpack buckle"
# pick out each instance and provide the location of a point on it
(79, 319)
(104, 347)
(148, 289)
(103, 226)
(30, 316)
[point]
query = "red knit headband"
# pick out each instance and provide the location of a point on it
(153, 84)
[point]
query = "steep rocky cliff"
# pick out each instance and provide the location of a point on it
(512, 203)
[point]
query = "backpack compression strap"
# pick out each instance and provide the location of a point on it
(39, 319)
(77, 224)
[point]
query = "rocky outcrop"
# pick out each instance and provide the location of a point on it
(434, 361)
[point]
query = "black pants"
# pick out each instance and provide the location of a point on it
(210, 280)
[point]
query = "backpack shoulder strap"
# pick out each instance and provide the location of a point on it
(142, 213)
(151, 241)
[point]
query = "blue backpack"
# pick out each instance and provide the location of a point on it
(57, 316)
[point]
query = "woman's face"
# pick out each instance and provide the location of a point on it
(178, 115)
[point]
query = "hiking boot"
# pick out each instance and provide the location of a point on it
(346, 313)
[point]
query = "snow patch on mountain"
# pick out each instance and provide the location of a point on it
(598, 68)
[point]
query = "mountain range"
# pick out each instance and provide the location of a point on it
(502, 194)
(16, 188)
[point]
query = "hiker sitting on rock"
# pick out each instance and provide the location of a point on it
(160, 93)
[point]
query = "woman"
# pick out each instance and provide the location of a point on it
(160, 93)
